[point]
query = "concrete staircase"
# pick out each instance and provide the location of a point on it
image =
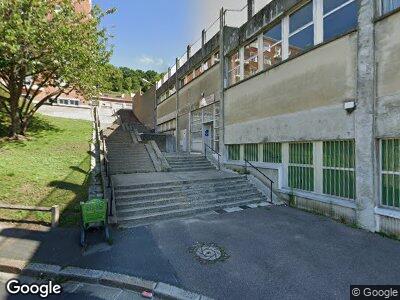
(125, 154)
(139, 204)
(182, 163)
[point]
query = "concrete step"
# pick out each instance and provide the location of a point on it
(127, 172)
(186, 182)
(123, 205)
(177, 188)
(150, 218)
(191, 163)
(173, 160)
(140, 211)
(203, 194)
(190, 169)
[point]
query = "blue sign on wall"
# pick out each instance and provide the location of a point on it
(207, 132)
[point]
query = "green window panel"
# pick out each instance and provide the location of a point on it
(390, 173)
(301, 153)
(251, 152)
(339, 183)
(301, 178)
(233, 152)
(272, 153)
(338, 168)
(301, 169)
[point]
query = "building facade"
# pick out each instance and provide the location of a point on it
(307, 91)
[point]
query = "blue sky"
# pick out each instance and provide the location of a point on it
(150, 34)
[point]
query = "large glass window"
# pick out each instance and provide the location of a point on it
(338, 169)
(233, 152)
(272, 152)
(390, 172)
(251, 59)
(234, 68)
(389, 5)
(340, 16)
(301, 169)
(272, 46)
(251, 152)
(301, 30)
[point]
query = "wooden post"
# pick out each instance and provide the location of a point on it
(55, 216)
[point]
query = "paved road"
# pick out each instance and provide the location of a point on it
(70, 290)
(275, 253)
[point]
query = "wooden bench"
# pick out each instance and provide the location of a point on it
(54, 210)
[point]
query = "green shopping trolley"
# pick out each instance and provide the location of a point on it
(94, 215)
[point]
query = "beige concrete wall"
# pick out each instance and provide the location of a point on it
(208, 83)
(387, 43)
(143, 107)
(292, 100)
(166, 110)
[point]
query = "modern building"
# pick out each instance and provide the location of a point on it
(309, 93)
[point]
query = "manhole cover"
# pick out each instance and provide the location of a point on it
(208, 252)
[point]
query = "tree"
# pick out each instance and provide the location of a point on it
(47, 45)
(124, 79)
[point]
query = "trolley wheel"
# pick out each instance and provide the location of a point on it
(107, 235)
(83, 237)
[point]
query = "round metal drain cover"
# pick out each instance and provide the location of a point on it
(208, 252)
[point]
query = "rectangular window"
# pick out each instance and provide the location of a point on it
(390, 172)
(198, 72)
(389, 5)
(338, 169)
(272, 46)
(251, 59)
(340, 16)
(301, 168)
(272, 153)
(251, 152)
(233, 152)
(234, 68)
(207, 64)
(301, 30)
(216, 57)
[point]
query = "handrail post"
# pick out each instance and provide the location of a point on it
(271, 192)
(219, 165)
(245, 166)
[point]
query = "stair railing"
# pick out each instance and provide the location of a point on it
(246, 162)
(212, 151)
(104, 162)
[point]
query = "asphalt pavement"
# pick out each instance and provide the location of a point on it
(270, 253)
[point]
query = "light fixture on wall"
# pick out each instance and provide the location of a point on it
(350, 105)
(203, 101)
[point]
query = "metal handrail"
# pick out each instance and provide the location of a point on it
(219, 155)
(105, 162)
(257, 169)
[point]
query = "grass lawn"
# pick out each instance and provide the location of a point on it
(50, 168)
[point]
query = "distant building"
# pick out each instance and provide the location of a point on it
(115, 100)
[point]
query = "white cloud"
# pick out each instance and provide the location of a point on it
(146, 60)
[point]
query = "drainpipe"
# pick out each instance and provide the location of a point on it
(177, 103)
(222, 83)
(203, 38)
(250, 9)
